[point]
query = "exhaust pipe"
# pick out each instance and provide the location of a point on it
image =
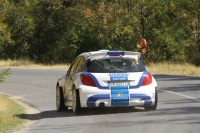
(142, 101)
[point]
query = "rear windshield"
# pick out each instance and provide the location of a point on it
(115, 64)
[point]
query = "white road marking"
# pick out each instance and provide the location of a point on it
(197, 100)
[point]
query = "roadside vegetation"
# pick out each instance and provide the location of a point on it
(30, 64)
(55, 31)
(9, 115)
(184, 69)
(4, 74)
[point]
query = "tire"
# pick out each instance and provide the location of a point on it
(60, 100)
(155, 105)
(76, 104)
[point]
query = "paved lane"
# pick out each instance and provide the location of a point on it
(178, 108)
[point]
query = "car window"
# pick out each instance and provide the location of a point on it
(113, 64)
(72, 68)
(80, 66)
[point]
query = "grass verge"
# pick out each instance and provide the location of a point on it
(183, 69)
(29, 64)
(9, 115)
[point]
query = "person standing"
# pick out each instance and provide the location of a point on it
(142, 45)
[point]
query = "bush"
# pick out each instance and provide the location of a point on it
(197, 61)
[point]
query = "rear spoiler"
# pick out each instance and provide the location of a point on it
(105, 53)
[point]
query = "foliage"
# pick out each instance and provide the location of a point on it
(50, 32)
(4, 74)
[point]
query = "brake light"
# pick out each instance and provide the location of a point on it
(87, 80)
(147, 80)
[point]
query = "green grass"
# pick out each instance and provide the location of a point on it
(9, 115)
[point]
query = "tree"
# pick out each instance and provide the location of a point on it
(56, 31)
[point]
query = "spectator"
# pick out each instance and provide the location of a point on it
(142, 44)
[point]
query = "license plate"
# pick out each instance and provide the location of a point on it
(114, 83)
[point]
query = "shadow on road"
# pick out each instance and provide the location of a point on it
(84, 112)
(117, 110)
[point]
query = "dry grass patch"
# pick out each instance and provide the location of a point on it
(3, 106)
(9, 114)
(29, 64)
(184, 69)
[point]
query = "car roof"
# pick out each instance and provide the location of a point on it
(106, 53)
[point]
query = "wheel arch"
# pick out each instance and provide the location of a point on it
(78, 90)
(61, 88)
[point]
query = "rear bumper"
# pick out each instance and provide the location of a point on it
(93, 97)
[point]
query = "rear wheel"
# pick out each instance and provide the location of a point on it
(155, 105)
(76, 101)
(60, 100)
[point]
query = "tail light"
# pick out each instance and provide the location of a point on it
(87, 80)
(147, 80)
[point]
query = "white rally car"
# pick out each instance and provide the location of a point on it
(106, 79)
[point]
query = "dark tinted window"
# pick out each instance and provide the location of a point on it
(115, 64)
(81, 64)
(73, 67)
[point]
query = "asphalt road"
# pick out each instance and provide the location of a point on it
(178, 107)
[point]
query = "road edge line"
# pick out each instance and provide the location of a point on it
(195, 99)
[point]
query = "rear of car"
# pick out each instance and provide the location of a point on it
(116, 79)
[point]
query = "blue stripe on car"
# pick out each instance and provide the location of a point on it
(115, 53)
(91, 102)
(119, 96)
(140, 81)
(146, 98)
(96, 81)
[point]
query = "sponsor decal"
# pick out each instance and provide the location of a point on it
(119, 94)
(118, 76)
(136, 62)
(116, 59)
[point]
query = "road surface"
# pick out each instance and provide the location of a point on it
(178, 106)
